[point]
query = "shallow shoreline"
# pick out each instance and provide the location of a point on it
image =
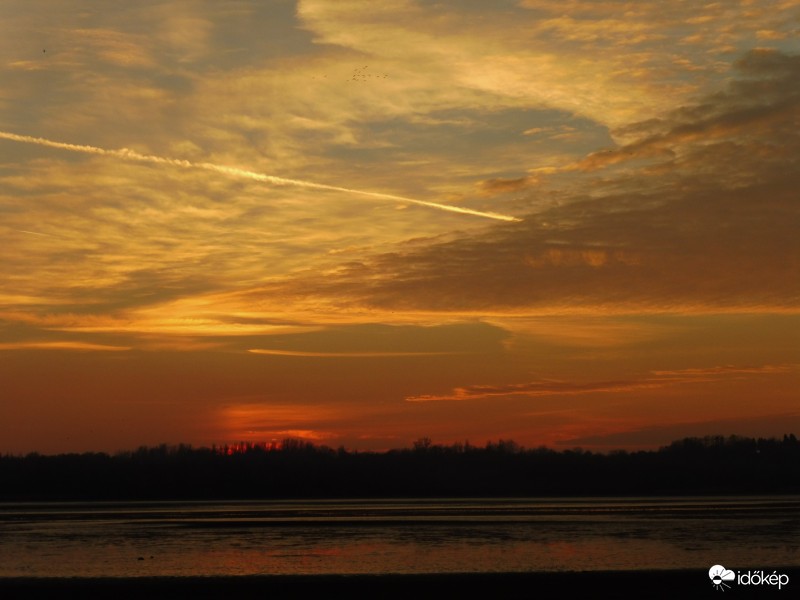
(607, 584)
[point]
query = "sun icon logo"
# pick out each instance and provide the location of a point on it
(719, 575)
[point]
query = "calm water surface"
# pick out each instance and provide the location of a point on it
(119, 539)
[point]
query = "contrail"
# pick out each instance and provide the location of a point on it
(132, 155)
(33, 232)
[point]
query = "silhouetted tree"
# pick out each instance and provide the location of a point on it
(298, 468)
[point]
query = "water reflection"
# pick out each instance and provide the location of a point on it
(393, 536)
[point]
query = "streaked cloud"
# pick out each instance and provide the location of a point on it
(728, 370)
(126, 154)
(62, 345)
(534, 389)
(300, 353)
(556, 388)
(676, 233)
(281, 209)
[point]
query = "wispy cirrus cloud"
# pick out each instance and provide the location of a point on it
(487, 53)
(127, 154)
(708, 225)
(727, 370)
(63, 345)
(535, 389)
(557, 388)
(312, 354)
(649, 150)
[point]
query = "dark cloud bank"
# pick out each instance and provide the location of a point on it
(698, 212)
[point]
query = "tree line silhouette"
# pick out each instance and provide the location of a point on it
(297, 469)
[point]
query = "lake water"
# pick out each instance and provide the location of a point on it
(124, 539)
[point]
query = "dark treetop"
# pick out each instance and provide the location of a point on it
(296, 469)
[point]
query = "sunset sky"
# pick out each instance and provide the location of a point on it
(562, 222)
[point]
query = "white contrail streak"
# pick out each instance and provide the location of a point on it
(33, 232)
(127, 154)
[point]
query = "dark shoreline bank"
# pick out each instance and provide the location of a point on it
(606, 584)
(503, 469)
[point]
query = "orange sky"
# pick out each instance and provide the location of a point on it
(568, 223)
